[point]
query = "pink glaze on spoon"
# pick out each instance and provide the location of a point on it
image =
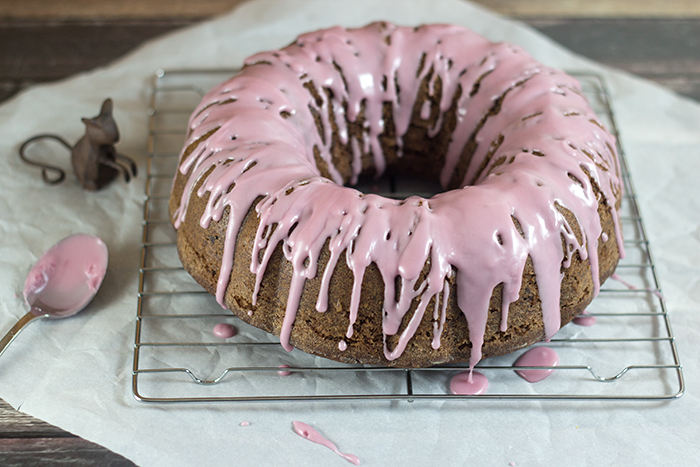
(63, 281)
(469, 383)
(305, 431)
(225, 331)
(539, 356)
(67, 276)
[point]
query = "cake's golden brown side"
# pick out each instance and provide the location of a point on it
(421, 153)
(319, 333)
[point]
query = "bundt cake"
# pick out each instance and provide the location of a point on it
(515, 246)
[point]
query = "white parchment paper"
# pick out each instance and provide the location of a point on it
(77, 373)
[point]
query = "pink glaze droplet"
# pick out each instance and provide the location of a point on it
(284, 372)
(245, 423)
(632, 287)
(619, 279)
(584, 319)
(342, 345)
(469, 383)
(305, 431)
(539, 356)
(225, 331)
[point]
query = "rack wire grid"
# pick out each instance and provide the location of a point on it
(629, 354)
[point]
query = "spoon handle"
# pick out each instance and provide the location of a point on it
(12, 333)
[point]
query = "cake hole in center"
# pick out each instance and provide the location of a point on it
(399, 186)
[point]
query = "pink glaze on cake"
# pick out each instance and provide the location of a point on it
(225, 331)
(262, 146)
(537, 356)
(305, 431)
(469, 383)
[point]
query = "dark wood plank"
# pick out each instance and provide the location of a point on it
(14, 424)
(595, 8)
(35, 52)
(47, 10)
(41, 51)
(661, 50)
(27, 441)
(72, 452)
(665, 51)
(671, 44)
(114, 9)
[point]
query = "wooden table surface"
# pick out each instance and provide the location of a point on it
(45, 40)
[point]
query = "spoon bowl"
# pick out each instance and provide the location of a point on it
(63, 281)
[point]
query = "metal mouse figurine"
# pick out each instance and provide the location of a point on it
(95, 159)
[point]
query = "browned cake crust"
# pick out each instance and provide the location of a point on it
(319, 333)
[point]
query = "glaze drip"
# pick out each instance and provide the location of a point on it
(526, 135)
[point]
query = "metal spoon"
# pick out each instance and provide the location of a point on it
(63, 281)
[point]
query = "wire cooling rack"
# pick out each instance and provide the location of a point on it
(629, 354)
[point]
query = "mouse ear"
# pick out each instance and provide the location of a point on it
(107, 106)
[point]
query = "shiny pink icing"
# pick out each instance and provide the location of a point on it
(263, 147)
(537, 356)
(619, 279)
(225, 331)
(284, 372)
(469, 383)
(305, 431)
(67, 276)
(584, 319)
